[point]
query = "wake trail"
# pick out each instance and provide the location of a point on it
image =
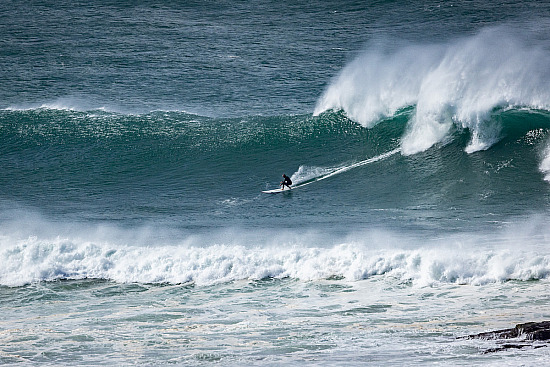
(341, 169)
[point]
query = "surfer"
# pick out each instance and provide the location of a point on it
(285, 182)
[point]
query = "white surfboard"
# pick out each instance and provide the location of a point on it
(277, 191)
(335, 171)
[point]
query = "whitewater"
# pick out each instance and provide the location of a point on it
(136, 141)
(440, 261)
(459, 84)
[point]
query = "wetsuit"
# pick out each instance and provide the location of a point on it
(286, 181)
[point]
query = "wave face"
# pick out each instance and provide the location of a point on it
(177, 167)
(412, 139)
(462, 83)
(86, 193)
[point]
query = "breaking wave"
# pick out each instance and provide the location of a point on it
(466, 84)
(206, 261)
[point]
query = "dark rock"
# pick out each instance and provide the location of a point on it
(540, 335)
(512, 346)
(525, 334)
(527, 331)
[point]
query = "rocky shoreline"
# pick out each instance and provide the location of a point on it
(530, 334)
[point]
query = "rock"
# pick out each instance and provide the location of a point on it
(527, 331)
(525, 334)
(511, 346)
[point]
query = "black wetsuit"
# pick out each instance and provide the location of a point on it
(287, 181)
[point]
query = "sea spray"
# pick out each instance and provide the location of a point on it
(307, 175)
(456, 83)
(36, 259)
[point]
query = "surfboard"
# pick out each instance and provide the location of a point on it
(335, 171)
(277, 191)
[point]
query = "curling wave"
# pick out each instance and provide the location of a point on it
(460, 84)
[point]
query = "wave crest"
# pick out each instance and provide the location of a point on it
(459, 83)
(33, 260)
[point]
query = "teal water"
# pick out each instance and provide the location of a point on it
(187, 172)
(136, 140)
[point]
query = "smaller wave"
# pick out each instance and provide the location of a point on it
(63, 104)
(82, 105)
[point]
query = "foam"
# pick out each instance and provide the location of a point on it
(34, 249)
(306, 175)
(455, 261)
(544, 165)
(459, 83)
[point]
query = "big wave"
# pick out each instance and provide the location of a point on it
(459, 83)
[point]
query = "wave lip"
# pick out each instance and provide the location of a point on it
(35, 260)
(458, 84)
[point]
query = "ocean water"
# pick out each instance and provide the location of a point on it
(136, 138)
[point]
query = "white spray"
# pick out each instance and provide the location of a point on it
(460, 83)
